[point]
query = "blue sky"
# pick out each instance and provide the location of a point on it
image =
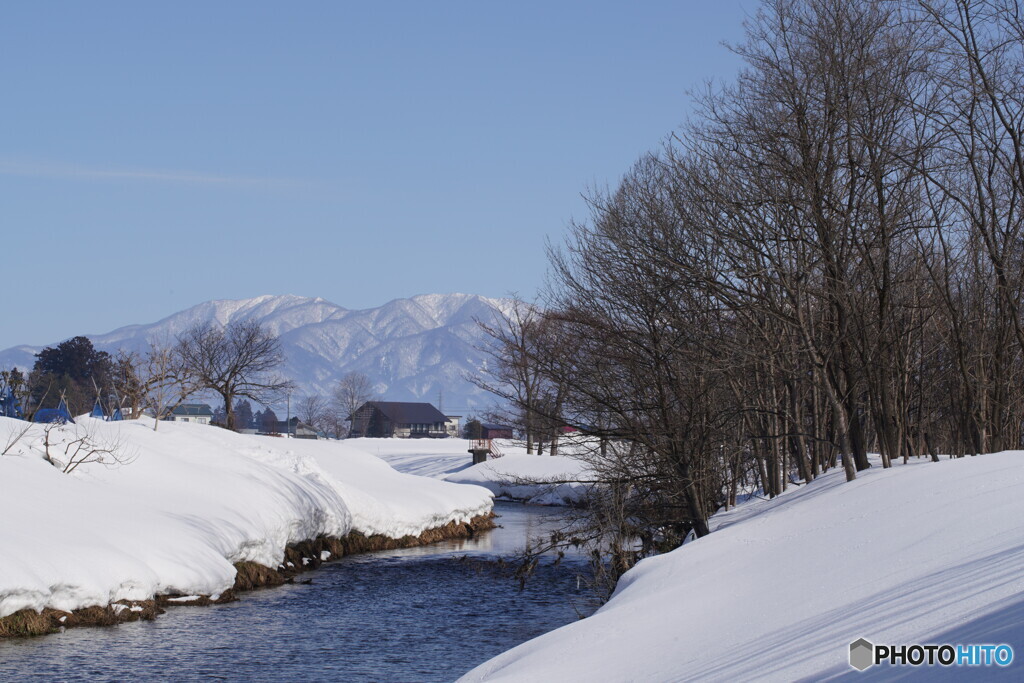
(156, 156)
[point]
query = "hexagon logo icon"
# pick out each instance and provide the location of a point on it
(862, 654)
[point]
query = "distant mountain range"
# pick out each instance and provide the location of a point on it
(411, 349)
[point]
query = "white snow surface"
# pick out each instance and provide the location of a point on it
(192, 501)
(919, 553)
(435, 458)
(536, 479)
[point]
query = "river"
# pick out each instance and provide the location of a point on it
(421, 614)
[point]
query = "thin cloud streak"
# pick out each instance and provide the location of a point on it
(62, 171)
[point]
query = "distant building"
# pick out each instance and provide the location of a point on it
(301, 430)
(494, 431)
(383, 419)
(295, 427)
(192, 412)
(451, 425)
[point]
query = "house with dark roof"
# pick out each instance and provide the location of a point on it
(495, 431)
(192, 412)
(295, 428)
(384, 419)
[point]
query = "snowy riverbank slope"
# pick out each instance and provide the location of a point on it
(435, 458)
(192, 501)
(508, 476)
(537, 479)
(920, 553)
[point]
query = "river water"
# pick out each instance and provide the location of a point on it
(421, 614)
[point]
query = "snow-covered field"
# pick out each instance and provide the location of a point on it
(192, 501)
(919, 553)
(435, 458)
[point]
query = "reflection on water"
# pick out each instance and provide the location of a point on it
(517, 524)
(419, 614)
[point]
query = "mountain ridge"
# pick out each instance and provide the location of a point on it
(410, 348)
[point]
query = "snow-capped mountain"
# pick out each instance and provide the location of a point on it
(412, 349)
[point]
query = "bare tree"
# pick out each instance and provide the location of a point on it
(234, 361)
(829, 259)
(15, 436)
(128, 381)
(314, 410)
(511, 371)
(352, 391)
(68, 447)
(167, 379)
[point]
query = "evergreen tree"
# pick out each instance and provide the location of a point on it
(220, 416)
(267, 421)
(243, 415)
(73, 369)
(473, 429)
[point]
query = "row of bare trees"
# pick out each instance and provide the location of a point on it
(331, 414)
(528, 400)
(235, 361)
(827, 261)
(239, 361)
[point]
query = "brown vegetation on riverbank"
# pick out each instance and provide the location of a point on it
(306, 555)
(299, 557)
(28, 622)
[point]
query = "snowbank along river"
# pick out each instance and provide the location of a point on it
(421, 614)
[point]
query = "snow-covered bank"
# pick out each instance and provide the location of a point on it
(537, 479)
(193, 501)
(920, 553)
